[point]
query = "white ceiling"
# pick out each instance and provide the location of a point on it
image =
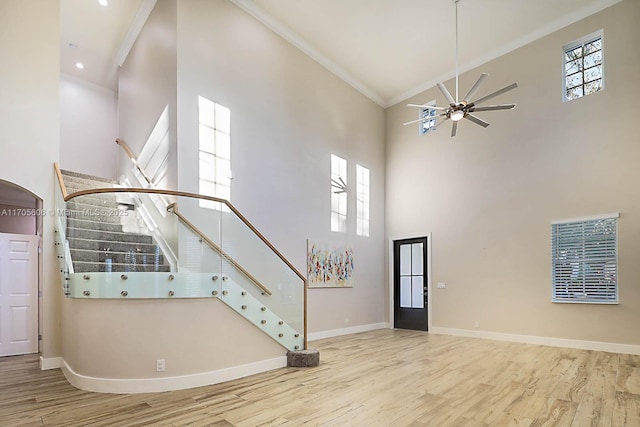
(387, 49)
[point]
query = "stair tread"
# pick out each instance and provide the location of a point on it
(71, 174)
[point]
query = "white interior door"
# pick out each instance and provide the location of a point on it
(18, 294)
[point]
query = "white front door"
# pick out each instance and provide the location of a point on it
(18, 294)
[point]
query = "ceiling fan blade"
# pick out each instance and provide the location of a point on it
(476, 120)
(429, 107)
(494, 107)
(454, 128)
(496, 93)
(446, 93)
(475, 87)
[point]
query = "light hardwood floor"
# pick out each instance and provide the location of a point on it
(379, 378)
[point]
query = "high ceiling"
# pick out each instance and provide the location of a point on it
(387, 49)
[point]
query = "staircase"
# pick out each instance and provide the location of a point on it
(105, 232)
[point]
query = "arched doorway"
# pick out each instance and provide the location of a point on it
(20, 237)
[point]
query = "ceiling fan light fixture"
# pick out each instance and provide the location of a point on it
(457, 115)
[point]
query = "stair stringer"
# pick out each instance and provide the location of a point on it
(178, 285)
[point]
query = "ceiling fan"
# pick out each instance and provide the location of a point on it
(463, 109)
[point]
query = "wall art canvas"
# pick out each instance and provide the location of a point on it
(329, 267)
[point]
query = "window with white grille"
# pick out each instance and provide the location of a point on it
(362, 201)
(428, 117)
(583, 67)
(585, 260)
(338, 194)
(215, 152)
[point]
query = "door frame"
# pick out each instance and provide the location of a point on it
(392, 272)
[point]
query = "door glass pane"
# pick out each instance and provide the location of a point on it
(416, 292)
(405, 260)
(405, 292)
(416, 259)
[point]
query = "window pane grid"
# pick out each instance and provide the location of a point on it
(584, 261)
(583, 69)
(362, 201)
(215, 152)
(338, 194)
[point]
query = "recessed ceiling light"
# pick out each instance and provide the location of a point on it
(103, 2)
(79, 65)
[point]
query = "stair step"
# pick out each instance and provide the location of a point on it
(88, 267)
(83, 224)
(81, 177)
(109, 236)
(98, 200)
(105, 245)
(89, 216)
(101, 209)
(130, 258)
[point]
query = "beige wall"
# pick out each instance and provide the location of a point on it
(288, 114)
(147, 84)
(489, 195)
(118, 339)
(88, 128)
(30, 127)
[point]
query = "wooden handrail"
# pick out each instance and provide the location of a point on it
(173, 208)
(63, 187)
(192, 195)
(133, 158)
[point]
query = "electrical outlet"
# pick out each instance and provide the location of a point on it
(476, 324)
(346, 321)
(441, 285)
(160, 365)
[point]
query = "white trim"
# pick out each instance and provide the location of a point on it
(550, 341)
(151, 385)
(134, 30)
(586, 218)
(515, 44)
(347, 331)
(429, 287)
(50, 363)
(283, 31)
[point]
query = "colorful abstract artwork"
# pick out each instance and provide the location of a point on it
(329, 268)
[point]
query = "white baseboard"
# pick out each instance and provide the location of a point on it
(50, 363)
(151, 385)
(532, 339)
(347, 331)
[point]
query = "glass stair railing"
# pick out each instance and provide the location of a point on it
(115, 243)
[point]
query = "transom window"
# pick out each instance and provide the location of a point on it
(583, 62)
(338, 194)
(362, 201)
(429, 119)
(214, 152)
(585, 260)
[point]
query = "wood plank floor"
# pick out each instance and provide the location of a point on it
(379, 378)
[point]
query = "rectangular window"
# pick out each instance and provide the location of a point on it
(585, 260)
(428, 116)
(338, 194)
(583, 62)
(362, 201)
(215, 152)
